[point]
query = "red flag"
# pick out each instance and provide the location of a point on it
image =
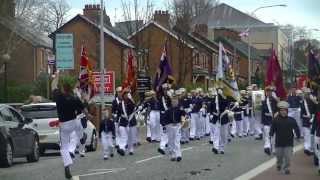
(274, 76)
(85, 77)
(130, 81)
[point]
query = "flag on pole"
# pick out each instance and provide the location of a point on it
(130, 81)
(164, 71)
(85, 74)
(313, 70)
(274, 75)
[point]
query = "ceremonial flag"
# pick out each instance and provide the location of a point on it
(313, 66)
(274, 76)
(85, 74)
(164, 71)
(130, 81)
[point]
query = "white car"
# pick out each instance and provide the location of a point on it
(44, 116)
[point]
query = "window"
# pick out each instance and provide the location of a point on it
(6, 115)
(16, 116)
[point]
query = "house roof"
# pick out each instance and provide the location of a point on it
(108, 30)
(26, 32)
(170, 32)
(224, 15)
(126, 28)
(242, 47)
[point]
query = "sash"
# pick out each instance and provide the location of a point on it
(164, 103)
(269, 106)
(124, 110)
(306, 107)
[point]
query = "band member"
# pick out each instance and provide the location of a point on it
(184, 103)
(269, 108)
(67, 107)
(221, 126)
(195, 116)
(307, 115)
(116, 106)
(127, 124)
(107, 133)
(213, 110)
(165, 104)
(295, 100)
(154, 117)
(206, 100)
(315, 131)
(238, 116)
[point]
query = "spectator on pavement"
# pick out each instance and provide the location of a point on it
(283, 127)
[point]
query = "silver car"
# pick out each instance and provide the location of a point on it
(44, 117)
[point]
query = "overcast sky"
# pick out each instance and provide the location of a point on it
(298, 12)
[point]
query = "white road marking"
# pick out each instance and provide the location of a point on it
(159, 156)
(264, 166)
(98, 173)
(113, 170)
(204, 144)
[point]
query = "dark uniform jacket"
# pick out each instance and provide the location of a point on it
(283, 128)
(130, 108)
(116, 105)
(197, 104)
(294, 101)
(315, 129)
(311, 106)
(267, 120)
(107, 126)
(164, 99)
(223, 105)
(174, 115)
(212, 109)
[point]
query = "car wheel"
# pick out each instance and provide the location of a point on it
(94, 142)
(34, 155)
(6, 158)
(42, 150)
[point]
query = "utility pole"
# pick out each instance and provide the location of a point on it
(102, 69)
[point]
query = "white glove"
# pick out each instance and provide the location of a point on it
(220, 91)
(140, 108)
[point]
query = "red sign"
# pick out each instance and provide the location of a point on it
(109, 82)
(302, 81)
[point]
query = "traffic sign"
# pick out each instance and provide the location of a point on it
(109, 82)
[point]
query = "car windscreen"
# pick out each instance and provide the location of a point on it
(39, 112)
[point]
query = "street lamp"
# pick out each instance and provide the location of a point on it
(249, 43)
(6, 57)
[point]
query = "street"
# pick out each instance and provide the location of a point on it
(198, 162)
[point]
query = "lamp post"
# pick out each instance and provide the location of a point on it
(249, 42)
(6, 57)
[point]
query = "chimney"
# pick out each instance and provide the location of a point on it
(92, 12)
(162, 17)
(201, 29)
(7, 8)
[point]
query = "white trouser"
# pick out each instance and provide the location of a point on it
(307, 138)
(76, 135)
(257, 126)
(246, 125)
(123, 137)
(148, 129)
(267, 140)
(239, 125)
(220, 136)
(132, 137)
(317, 149)
(66, 129)
(212, 126)
(185, 132)
(163, 137)
(208, 124)
(201, 126)
(233, 128)
(107, 143)
(295, 113)
(155, 125)
(193, 124)
(117, 133)
(174, 136)
(251, 125)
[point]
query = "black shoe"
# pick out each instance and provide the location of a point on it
(215, 150)
(179, 159)
(153, 141)
(111, 155)
(319, 172)
(187, 142)
(131, 153)
(173, 159)
(138, 144)
(161, 151)
(67, 173)
(232, 135)
(259, 138)
(182, 142)
(287, 171)
(221, 152)
(307, 152)
(191, 139)
(198, 139)
(239, 136)
(148, 139)
(121, 152)
(267, 151)
(105, 158)
(72, 155)
(229, 140)
(116, 146)
(210, 142)
(166, 145)
(279, 168)
(207, 134)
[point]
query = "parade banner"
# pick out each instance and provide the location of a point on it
(109, 82)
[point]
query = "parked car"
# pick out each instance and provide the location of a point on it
(17, 137)
(44, 116)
